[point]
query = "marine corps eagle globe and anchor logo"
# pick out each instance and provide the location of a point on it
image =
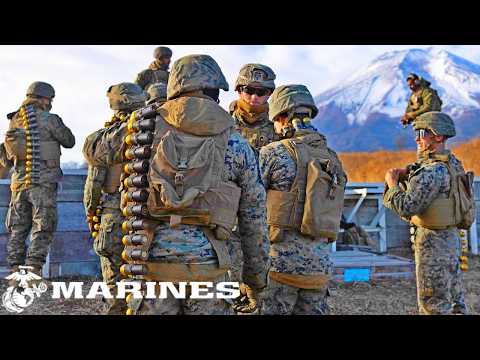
(21, 296)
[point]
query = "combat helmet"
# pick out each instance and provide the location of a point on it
(193, 73)
(126, 96)
(256, 74)
(286, 98)
(43, 89)
(162, 51)
(437, 122)
(157, 91)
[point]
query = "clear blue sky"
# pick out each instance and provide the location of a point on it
(82, 74)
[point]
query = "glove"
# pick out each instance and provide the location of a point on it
(247, 301)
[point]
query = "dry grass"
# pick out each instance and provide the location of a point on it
(372, 166)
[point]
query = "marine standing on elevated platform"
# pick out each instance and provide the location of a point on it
(33, 144)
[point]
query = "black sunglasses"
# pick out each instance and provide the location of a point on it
(256, 91)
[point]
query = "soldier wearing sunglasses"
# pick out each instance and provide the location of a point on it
(427, 194)
(255, 84)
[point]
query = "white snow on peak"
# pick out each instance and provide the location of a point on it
(381, 86)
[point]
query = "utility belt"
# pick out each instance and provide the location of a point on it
(172, 272)
(301, 281)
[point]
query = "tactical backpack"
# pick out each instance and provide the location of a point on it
(314, 204)
(186, 176)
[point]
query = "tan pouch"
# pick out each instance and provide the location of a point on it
(280, 208)
(323, 203)
(301, 281)
(439, 215)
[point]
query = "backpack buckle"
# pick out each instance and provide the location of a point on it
(179, 178)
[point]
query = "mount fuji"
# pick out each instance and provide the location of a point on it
(363, 112)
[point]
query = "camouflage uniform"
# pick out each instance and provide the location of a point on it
(157, 72)
(188, 244)
(295, 254)
(257, 130)
(5, 163)
(98, 195)
(423, 100)
(440, 287)
(33, 206)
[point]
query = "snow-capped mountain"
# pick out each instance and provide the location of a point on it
(363, 112)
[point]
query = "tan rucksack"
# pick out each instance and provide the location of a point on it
(186, 170)
(314, 204)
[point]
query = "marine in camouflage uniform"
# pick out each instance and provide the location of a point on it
(422, 100)
(189, 244)
(33, 205)
(254, 85)
(440, 287)
(295, 256)
(102, 186)
(157, 72)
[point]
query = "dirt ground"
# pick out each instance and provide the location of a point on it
(378, 297)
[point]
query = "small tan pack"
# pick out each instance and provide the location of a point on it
(315, 202)
(187, 167)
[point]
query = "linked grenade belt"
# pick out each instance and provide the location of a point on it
(32, 163)
(137, 228)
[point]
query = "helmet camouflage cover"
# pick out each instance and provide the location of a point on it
(126, 96)
(288, 97)
(195, 72)
(438, 122)
(157, 91)
(162, 51)
(39, 88)
(256, 74)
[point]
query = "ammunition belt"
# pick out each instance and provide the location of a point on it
(138, 229)
(464, 256)
(32, 163)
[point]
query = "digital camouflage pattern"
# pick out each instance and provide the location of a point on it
(32, 211)
(255, 75)
(285, 98)
(423, 100)
(258, 134)
(172, 306)
(99, 152)
(156, 72)
(189, 244)
(439, 279)
(439, 123)
(193, 73)
(108, 245)
(157, 93)
(51, 128)
(282, 299)
(295, 253)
